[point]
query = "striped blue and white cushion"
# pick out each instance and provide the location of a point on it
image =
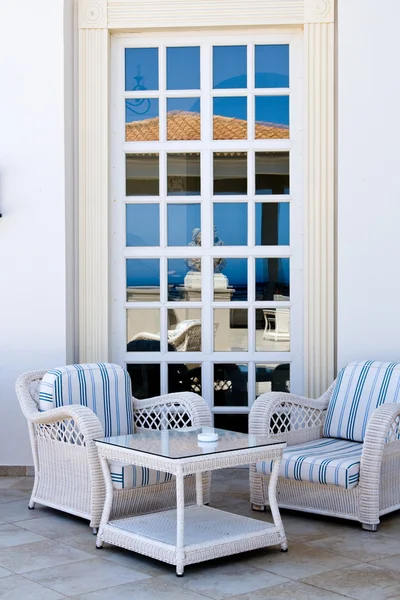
(360, 388)
(328, 461)
(125, 476)
(103, 387)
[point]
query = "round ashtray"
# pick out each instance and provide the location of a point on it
(207, 437)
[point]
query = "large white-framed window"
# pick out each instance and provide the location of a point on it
(207, 215)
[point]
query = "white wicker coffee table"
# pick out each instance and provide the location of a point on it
(197, 533)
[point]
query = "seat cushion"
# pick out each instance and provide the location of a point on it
(360, 388)
(125, 476)
(327, 460)
(105, 388)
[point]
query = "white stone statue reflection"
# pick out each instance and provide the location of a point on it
(193, 277)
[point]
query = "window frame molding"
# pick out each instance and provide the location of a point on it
(98, 19)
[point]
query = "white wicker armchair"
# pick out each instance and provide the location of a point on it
(343, 454)
(68, 474)
(185, 338)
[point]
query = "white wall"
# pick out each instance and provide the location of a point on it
(368, 180)
(33, 203)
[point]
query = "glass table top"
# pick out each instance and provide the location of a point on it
(178, 443)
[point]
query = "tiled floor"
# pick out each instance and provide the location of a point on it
(46, 555)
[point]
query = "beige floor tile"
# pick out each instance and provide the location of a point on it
(11, 494)
(150, 589)
(17, 587)
(85, 576)
(294, 590)
(57, 525)
(11, 535)
(25, 483)
(362, 582)
(39, 555)
(223, 579)
(362, 545)
(392, 562)
(133, 560)
(18, 511)
(301, 561)
(7, 482)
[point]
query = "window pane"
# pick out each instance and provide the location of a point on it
(230, 224)
(183, 68)
(184, 329)
(273, 329)
(142, 225)
(272, 223)
(141, 120)
(232, 283)
(229, 67)
(230, 173)
(143, 280)
(230, 118)
(141, 69)
(143, 329)
(184, 378)
(272, 378)
(273, 279)
(272, 117)
(183, 223)
(183, 174)
(230, 330)
(272, 66)
(272, 172)
(184, 279)
(142, 175)
(230, 386)
(238, 423)
(183, 119)
(145, 380)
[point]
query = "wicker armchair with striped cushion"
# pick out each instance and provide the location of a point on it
(343, 453)
(68, 408)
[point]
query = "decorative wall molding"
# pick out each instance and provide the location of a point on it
(319, 195)
(93, 195)
(93, 14)
(319, 11)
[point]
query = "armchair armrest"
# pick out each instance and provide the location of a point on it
(278, 413)
(181, 409)
(85, 421)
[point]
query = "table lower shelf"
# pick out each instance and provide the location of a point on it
(208, 533)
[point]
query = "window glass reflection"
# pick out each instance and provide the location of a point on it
(142, 225)
(183, 222)
(272, 378)
(272, 223)
(230, 330)
(273, 329)
(141, 69)
(230, 173)
(145, 380)
(272, 66)
(230, 386)
(183, 119)
(230, 279)
(142, 280)
(273, 279)
(143, 329)
(229, 67)
(141, 120)
(142, 175)
(230, 224)
(230, 118)
(183, 68)
(184, 279)
(183, 174)
(184, 329)
(272, 172)
(272, 117)
(184, 378)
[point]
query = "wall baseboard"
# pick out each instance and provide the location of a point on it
(10, 471)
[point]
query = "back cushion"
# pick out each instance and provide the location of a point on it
(360, 388)
(104, 388)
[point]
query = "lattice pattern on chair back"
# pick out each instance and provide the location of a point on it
(171, 415)
(289, 417)
(394, 431)
(61, 431)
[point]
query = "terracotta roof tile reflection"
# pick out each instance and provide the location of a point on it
(183, 126)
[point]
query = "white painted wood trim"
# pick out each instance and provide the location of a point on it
(93, 194)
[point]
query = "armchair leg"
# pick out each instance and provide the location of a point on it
(369, 527)
(95, 530)
(31, 505)
(258, 507)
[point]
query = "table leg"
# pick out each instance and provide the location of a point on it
(273, 501)
(199, 489)
(105, 517)
(180, 522)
